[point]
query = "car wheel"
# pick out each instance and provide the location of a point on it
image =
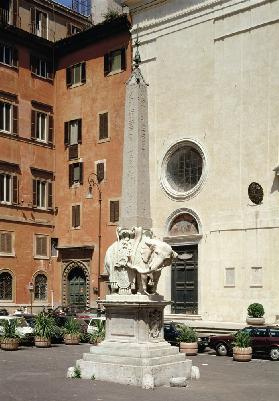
(221, 350)
(274, 354)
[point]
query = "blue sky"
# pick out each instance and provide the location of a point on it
(67, 3)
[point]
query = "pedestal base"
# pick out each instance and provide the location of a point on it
(134, 351)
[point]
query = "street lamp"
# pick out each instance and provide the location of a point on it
(94, 182)
(31, 290)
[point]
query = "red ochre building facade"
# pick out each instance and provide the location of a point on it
(61, 131)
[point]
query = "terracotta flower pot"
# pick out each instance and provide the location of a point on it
(10, 344)
(242, 354)
(189, 348)
(71, 339)
(42, 342)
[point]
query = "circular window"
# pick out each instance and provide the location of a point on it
(183, 169)
(255, 193)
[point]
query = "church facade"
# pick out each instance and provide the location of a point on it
(212, 69)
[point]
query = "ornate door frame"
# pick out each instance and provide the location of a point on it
(68, 267)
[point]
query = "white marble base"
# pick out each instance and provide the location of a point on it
(134, 351)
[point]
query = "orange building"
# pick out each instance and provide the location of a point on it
(61, 132)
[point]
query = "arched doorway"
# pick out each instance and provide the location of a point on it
(76, 285)
(183, 235)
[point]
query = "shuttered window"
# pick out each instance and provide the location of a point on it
(41, 245)
(42, 194)
(76, 216)
(8, 55)
(114, 211)
(8, 188)
(103, 126)
(75, 173)
(6, 242)
(41, 67)
(76, 74)
(115, 61)
(100, 171)
(41, 126)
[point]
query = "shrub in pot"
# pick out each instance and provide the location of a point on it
(10, 338)
(45, 327)
(71, 331)
(255, 314)
(242, 352)
(99, 332)
(188, 340)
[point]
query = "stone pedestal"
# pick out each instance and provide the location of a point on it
(134, 350)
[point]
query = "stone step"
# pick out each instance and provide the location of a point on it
(134, 361)
(143, 351)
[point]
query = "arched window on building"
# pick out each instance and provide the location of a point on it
(40, 293)
(6, 286)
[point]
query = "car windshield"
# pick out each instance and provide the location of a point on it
(21, 322)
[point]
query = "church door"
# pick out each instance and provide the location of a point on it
(77, 288)
(185, 281)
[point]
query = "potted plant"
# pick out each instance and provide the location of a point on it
(188, 340)
(71, 331)
(45, 328)
(255, 314)
(10, 337)
(99, 332)
(242, 351)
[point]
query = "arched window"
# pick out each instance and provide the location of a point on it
(40, 293)
(6, 286)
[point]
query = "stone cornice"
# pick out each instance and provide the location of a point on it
(216, 9)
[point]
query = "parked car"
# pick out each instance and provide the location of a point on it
(264, 340)
(171, 335)
(24, 331)
(4, 312)
(90, 313)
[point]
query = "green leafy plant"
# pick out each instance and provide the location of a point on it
(255, 310)
(111, 15)
(93, 377)
(72, 326)
(99, 332)
(77, 373)
(242, 339)
(45, 326)
(187, 334)
(9, 328)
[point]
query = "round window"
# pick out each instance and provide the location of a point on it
(183, 168)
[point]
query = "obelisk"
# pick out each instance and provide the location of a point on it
(135, 201)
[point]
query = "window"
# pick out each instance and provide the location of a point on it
(41, 126)
(8, 188)
(5, 117)
(6, 286)
(40, 287)
(39, 23)
(41, 67)
(72, 137)
(75, 173)
(76, 216)
(103, 126)
(42, 193)
(76, 74)
(54, 245)
(8, 55)
(5, 11)
(100, 171)
(230, 277)
(114, 211)
(256, 277)
(183, 169)
(41, 246)
(6, 243)
(115, 61)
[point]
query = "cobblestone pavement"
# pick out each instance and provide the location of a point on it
(33, 374)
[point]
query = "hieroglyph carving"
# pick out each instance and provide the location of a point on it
(135, 261)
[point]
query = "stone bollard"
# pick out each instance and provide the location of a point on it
(178, 382)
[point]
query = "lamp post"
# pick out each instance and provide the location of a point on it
(31, 289)
(94, 182)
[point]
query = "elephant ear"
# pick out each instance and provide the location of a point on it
(174, 254)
